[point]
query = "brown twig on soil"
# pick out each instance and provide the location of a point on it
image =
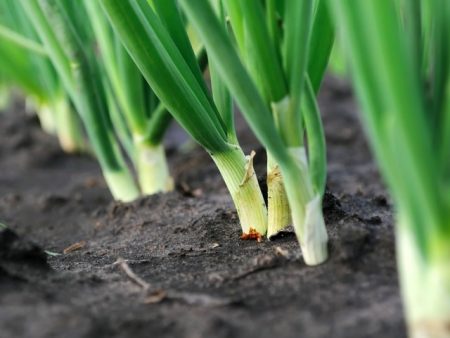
(74, 247)
(156, 297)
(121, 263)
(259, 263)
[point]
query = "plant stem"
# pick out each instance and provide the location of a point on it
(240, 179)
(121, 184)
(46, 117)
(278, 211)
(152, 169)
(4, 98)
(425, 283)
(306, 210)
(69, 129)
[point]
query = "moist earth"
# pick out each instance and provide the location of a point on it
(74, 263)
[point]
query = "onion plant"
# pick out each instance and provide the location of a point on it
(25, 64)
(154, 34)
(143, 116)
(61, 26)
(399, 53)
(267, 70)
(282, 45)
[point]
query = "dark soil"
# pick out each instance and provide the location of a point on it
(193, 276)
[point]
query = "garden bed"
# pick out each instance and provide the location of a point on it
(173, 265)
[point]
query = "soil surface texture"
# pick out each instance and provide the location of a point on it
(74, 263)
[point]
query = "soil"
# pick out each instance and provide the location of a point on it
(74, 263)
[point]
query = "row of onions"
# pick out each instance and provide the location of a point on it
(115, 72)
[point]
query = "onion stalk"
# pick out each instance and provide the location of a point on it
(64, 35)
(399, 57)
(145, 118)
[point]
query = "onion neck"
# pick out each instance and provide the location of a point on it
(241, 181)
